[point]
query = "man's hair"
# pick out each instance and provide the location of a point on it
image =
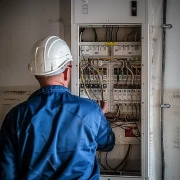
(47, 78)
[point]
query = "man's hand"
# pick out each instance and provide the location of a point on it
(103, 106)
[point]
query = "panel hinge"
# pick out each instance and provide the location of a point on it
(168, 26)
(165, 105)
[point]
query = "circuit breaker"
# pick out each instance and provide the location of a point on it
(110, 61)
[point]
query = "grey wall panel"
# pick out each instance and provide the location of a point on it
(107, 11)
(172, 93)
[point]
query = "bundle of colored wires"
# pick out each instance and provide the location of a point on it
(94, 71)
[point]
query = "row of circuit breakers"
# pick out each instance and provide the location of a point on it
(111, 51)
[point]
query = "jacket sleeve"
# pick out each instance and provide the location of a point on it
(105, 137)
(8, 149)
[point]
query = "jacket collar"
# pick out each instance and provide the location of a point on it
(53, 88)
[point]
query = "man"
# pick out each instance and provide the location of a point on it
(54, 134)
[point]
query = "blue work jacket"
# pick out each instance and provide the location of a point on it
(53, 135)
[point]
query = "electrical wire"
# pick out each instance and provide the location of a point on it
(82, 31)
(118, 112)
(135, 118)
(95, 35)
(126, 37)
(108, 164)
(134, 106)
(90, 83)
(94, 94)
(126, 118)
(117, 34)
(93, 69)
(137, 71)
(101, 85)
(125, 158)
(132, 74)
(99, 160)
(80, 34)
(111, 34)
(121, 70)
(121, 163)
(83, 81)
(106, 34)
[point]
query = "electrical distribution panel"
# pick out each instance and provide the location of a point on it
(110, 71)
(109, 41)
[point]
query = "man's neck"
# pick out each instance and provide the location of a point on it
(51, 84)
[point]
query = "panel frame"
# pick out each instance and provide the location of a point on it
(144, 93)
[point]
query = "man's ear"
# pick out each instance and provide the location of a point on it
(66, 74)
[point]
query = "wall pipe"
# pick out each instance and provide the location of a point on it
(162, 86)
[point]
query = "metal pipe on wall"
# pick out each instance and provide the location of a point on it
(162, 86)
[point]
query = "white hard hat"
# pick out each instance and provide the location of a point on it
(49, 57)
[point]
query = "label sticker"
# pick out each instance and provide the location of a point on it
(85, 9)
(110, 43)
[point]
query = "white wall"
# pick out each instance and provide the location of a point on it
(172, 93)
(22, 23)
(155, 58)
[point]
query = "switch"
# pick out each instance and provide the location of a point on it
(133, 8)
(132, 132)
